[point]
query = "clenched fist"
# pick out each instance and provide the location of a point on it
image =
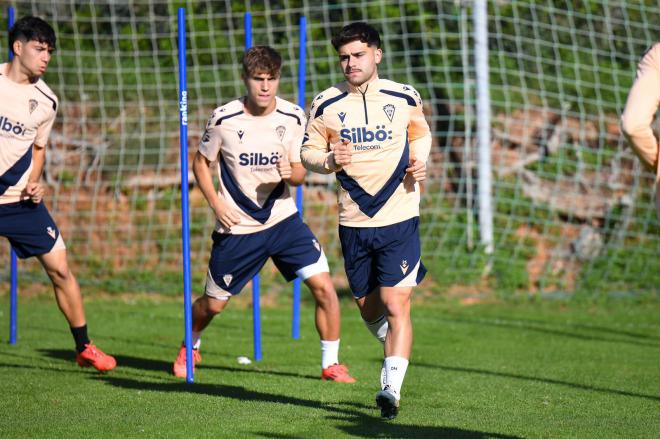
(284, 168)
(35, 191)
(342, 153)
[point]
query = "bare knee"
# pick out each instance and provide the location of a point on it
(56, 266)
(325, 295)
(322, 289)
(371, 307)
(397, 306)
(211, 306)
(60, 274)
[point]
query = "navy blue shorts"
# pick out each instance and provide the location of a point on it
(387, 256)
(29, 228)
(235, 259)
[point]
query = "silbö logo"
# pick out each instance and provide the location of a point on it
(258, 159)
(16, 127)
(362, 134)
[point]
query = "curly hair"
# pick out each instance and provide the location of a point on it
(261, 59)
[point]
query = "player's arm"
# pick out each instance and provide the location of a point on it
(292, 173)
(202, 170)
(289, 166)
(419, 137)
(34, 189)
(315, 153)
(209, 150)
(642, 103)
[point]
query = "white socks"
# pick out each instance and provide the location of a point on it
(196, 339)
(329, 353)
(395, 371)
(378, 328)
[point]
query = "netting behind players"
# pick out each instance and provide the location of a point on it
(572, 207)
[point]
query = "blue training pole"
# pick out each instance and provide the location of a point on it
(13, 291)
(256, 308)
(185, 216)
(295, 319)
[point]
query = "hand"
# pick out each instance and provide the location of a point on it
(342, 153)
(284, 168)
(35, 191)
(416, 170)
(227, 216)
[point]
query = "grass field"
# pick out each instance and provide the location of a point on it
(499, 370)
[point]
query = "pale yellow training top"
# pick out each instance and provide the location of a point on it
(385, 124)
(247, 148)
(27, 114)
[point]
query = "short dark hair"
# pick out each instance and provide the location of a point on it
(358, 31)
(261, 59)
(31, 29)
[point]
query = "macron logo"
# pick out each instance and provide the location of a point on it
(227, 279)
(51, 232)
(404, 266)
(342, 116)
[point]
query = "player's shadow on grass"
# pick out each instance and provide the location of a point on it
(393, 429)
(127, 339)
(537, 379)
(503, 322)
(582, 326)
(362, 424)
(248, 369)
(153, 365)
(219, 390)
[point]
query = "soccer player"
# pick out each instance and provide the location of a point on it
(27, 113)
(372, 134)
(256, 141)
(638, 115)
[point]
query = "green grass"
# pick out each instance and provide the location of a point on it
(550, 369)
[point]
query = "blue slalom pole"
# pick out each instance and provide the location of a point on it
(185, 210)
(13, 291)
(256, 308)
(302, 55)
(247, 20)
(13, 298)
